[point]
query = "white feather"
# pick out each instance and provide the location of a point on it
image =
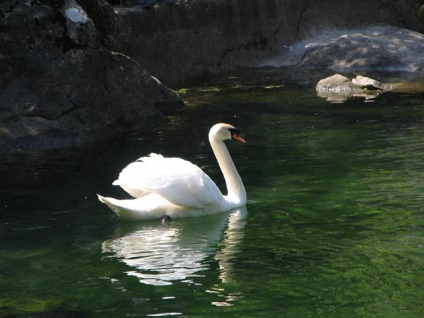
(178, 181)
(176, 187)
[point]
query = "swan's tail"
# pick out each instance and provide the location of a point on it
(125, 209)
(145, 208)
(102, 199)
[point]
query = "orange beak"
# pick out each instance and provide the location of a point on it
(238, 138)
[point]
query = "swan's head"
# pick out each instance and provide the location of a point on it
(220, 132)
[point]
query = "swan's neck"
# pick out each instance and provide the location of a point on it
(235, 187)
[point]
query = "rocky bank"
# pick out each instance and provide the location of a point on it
(76, 70)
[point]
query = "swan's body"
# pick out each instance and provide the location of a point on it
(177, 188)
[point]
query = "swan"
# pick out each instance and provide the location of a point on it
(177, 188)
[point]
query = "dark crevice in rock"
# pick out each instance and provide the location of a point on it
(257, 43)
(300, 18)
(277, 31)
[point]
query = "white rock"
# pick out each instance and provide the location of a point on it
(76, 14)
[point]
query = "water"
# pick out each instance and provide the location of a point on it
(333, 226)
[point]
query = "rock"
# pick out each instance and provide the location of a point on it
(367, 83)
(142, 3)
(193, 39)
(382, 48)
(80, 28)
(336, 83)
(338, 88)
(85, 92)
(372, 48)
(62, 79)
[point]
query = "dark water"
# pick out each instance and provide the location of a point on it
(334, 225)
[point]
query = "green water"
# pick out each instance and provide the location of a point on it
(334, 225)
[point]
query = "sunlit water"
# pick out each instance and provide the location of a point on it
(334, 225)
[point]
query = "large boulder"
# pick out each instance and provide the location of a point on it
(371, 48)
(383, 48)
(62, 78)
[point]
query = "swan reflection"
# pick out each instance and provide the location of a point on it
(161, 254)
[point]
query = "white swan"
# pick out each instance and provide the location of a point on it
(177, 188)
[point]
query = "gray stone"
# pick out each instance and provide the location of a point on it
(337, 83)
(368, 83)
(373, 48)
(338, 88)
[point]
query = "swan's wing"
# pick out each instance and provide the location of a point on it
(178, 181)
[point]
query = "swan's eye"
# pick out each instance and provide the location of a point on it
(234, 131)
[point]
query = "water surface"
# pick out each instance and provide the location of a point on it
(333, 226)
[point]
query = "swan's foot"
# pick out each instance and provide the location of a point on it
(166, 219)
